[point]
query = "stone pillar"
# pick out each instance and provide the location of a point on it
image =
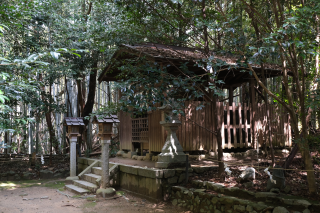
(105, 181)
(172, 154)
(73, 158)
(105, 189)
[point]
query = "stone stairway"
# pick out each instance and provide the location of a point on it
(89, 179)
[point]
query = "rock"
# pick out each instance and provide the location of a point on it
(239, 208)
(16, 177)
(247, 175)
(275, 190)
(197, 200)
(214, 200)
(174, 202)
(119, 153)
(200, 190)
(265, 194)
(27, 176)
(302, 203)
(216, 187)
(3, 176)
(200, 170)
(258, 207)
(140, 157)
(58, 175)
(249, 208)
(46, 174)
(287, 189)
(44, 197)
(172, 180)
(168, 173)
(182, 178)
(155, 158)
(306, 211)
(248, 184)
(280, 209)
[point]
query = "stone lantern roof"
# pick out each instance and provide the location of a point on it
(73, 121)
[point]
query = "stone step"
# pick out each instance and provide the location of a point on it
(86, 185)
(97, 170)
(91, 177)
(76, 189)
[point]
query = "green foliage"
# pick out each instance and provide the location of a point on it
(114, 147)
(314, 142)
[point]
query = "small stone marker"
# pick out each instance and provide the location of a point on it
(247, 175)
(278, 176)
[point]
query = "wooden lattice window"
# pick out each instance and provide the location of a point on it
(140, 130)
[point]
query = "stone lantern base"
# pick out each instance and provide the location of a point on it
(172, 154)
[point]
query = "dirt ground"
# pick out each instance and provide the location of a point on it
(43, 197)
(295, 176)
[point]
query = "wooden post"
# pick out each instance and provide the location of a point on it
(234, 127)
(240, 125)
(253, 111)
(230, 96)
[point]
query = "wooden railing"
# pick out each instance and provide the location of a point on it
(237, 122)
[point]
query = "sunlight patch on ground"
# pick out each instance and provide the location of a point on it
(7, 185)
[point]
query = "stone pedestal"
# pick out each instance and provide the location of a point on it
(172, 154)
(73, 159)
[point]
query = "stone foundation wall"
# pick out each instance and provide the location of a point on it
(234, 200)
(152, 183)
(196, 200)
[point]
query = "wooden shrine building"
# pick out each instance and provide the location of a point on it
(196, 132)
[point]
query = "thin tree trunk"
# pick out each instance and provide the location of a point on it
(268, 116)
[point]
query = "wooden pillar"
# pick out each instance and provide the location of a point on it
(230, 96)
(253, 112)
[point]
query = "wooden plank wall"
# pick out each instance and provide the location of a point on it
(156, 131)
(196, 131)
(125, 131)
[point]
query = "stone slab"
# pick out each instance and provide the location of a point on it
(150, 173)
(76, 189)
(129, 169)
(97, 170)
(91, 177)
(86, 185)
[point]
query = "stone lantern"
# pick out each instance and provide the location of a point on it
(73, 125)
(105, 131)
(172, 154)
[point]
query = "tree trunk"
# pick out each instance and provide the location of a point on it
(49, 122)
(219, 139)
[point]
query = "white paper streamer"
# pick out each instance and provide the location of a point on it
(42, 159)
(270, 175)
(227, 170)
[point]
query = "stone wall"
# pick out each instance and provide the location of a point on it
(213, 197)
(17, 167)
